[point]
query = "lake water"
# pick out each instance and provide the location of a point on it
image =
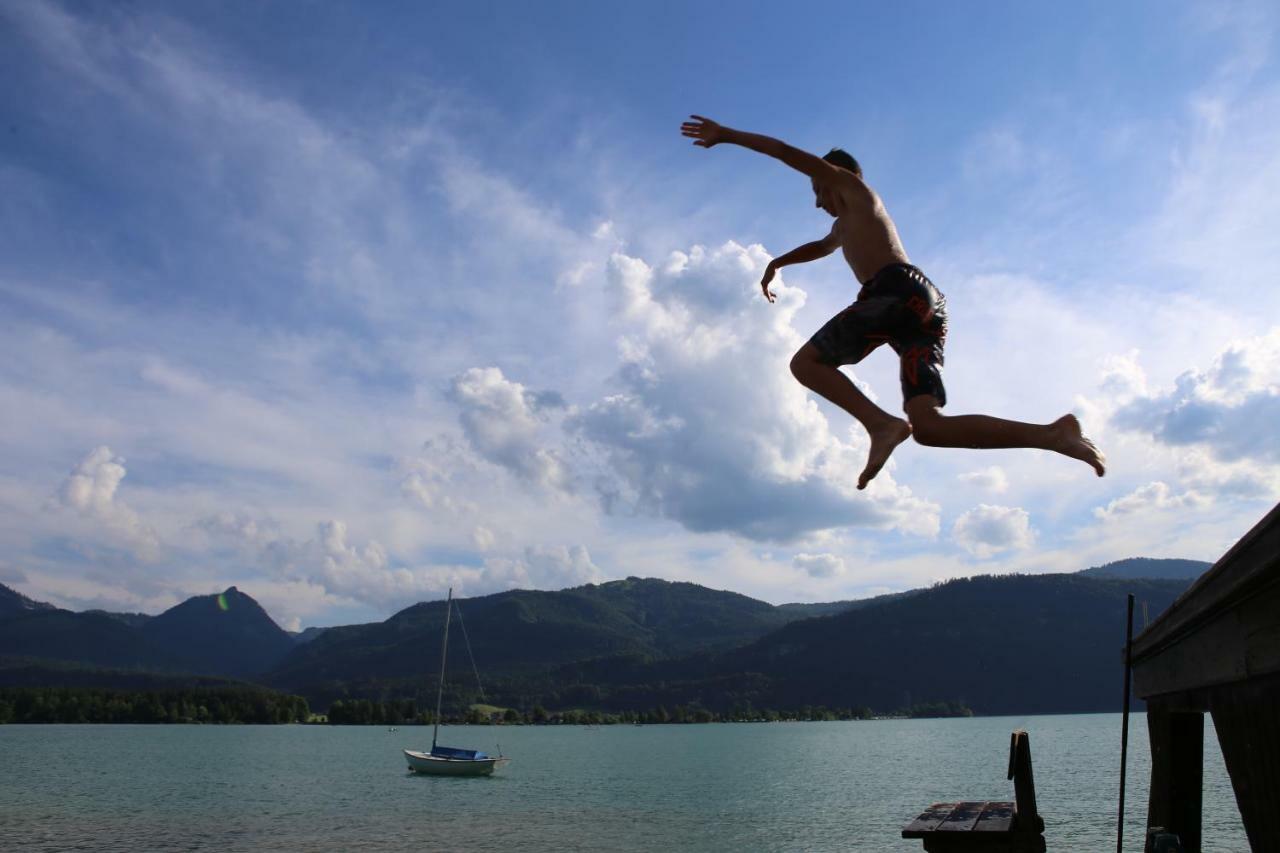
(736, 787)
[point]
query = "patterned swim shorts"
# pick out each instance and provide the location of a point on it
(901, 307)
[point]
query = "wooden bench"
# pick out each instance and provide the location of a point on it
(1007, 827)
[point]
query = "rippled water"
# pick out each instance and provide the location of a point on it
(744, 787)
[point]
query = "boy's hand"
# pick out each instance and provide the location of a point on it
(769, 273)
(704, 131)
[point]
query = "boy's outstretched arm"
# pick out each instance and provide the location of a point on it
(705, 133)
(799, 255)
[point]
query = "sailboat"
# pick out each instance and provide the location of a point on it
(448, 760)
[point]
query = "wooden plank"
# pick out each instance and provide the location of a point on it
(928, 820)
(1215, 654)
(962, 817)
(1235, 644)
(1262, 630)
(996, 817)
(1250, 561)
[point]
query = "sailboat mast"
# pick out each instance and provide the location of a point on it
(444, 649)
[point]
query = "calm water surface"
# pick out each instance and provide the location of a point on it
(742, 787)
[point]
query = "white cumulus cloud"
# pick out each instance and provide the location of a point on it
(90, 490)
(91, 487)
(1153, 496)
(430, 479)
(992, 479)
(987, 530)
(483, 538)
(707, 426)
(556, 567)
(1226, 409)
(1244, 479)
(335, 565)
(819, 565)
(1122, 375)
(504, 423)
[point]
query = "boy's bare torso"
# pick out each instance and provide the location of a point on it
(863, 229)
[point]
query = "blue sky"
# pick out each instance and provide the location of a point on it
(346, 304)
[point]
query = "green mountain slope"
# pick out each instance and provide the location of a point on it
(25, 672)
(228, 634)
(1147, 567)
(92, 639)
(808, 611)
(685, 617)
(225, 635)
(521, 633)
(14, 604)
(133, 620)
(1002, 645)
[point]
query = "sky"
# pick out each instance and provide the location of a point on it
(346, 304)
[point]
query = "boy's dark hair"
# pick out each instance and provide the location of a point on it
(843, 159)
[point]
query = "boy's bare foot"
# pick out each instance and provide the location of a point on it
(883, 440)
(1069, 440)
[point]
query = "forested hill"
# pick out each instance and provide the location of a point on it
(14, 603)
(1017, 644)
(224, 634)
(1012, 644)
(528, 631)
(227, 634)
(808, 611)
(1147, 567)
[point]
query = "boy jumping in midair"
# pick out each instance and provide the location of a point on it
(897, 305)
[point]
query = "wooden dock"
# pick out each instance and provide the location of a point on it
(1217, 651)
(981, 825)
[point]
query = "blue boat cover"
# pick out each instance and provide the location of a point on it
(450, 752)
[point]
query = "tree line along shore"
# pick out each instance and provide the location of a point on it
(230, 705)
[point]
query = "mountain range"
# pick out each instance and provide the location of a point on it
(226, 635)
(1009, 644)
(1017, 644)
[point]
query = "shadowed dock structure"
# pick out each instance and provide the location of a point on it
(1217, 651)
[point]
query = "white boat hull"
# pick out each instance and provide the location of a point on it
(434, 765)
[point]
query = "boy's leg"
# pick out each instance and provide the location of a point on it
(935, 429)
(885, 430)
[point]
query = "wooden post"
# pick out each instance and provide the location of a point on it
(1177, 768)
(1246, 718)
(1026, 813)
(1124, 724)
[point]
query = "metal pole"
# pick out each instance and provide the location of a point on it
(1124, 725)
(444, 648)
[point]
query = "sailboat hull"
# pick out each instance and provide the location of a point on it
(434, 765)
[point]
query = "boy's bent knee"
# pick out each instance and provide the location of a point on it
(804, 361)
(926, 422)
(797, 365)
